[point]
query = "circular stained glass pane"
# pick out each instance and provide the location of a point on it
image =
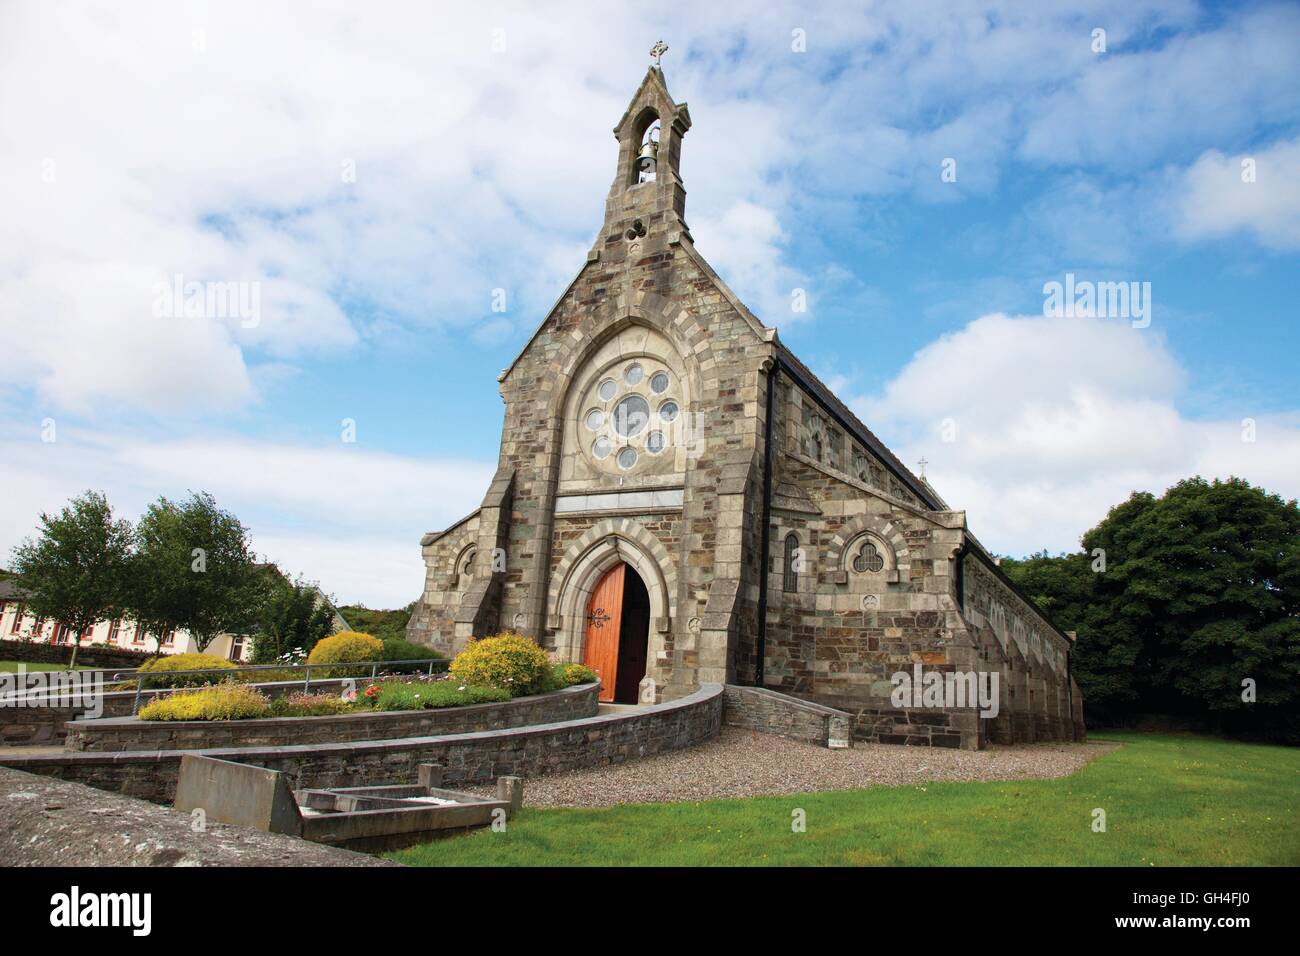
(627, 458)
(631, 415)
(654, 442)
(607, 389)
(659, 382)
(595, 419)
(601, 447)
(633, 374)
(668, 411)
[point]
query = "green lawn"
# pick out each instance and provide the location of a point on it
(1169, 801)
(11, 667)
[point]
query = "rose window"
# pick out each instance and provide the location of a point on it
(630, 414)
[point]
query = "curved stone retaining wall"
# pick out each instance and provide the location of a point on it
(468, 758)
(131, 733)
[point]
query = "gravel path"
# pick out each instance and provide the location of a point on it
(741, 763)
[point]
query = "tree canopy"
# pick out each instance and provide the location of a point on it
(193, 569)
(75, 569)
(1188, 603)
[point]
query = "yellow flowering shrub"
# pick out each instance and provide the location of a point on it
(508, 661)
(160, 670)
(570, 674)
(345, 647)
(222, 702)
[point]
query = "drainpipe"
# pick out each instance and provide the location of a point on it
(1069, 683)
(766, 566)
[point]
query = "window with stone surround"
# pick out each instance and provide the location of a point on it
(631, 415)
(868, 559)
(790, 576)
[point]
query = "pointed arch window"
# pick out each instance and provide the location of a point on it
(790, 579)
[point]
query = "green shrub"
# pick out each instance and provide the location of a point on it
(566, 675)
(222, 702)
(396, 649)
(164, 666)
(309, 705)
(508, 661)
(343, 648)
(385, 625)
(426, 695)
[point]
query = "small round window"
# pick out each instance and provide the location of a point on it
(631, 416)
(607, 389)
(668, 411)
(654, 442)
(659, 382)
(627, 458)
(595, 419)
(601, 447)
(633, 374)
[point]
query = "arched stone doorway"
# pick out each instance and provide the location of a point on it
(603, 546)
(618, 633)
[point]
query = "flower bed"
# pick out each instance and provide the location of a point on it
(366, 722)
(242, 702)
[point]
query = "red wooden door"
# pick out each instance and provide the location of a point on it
(604, 615)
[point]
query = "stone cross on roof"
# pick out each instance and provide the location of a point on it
(658, 50)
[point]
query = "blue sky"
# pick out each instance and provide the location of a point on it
(377, 172)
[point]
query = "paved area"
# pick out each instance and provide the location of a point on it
(741, 763)
(49, 822)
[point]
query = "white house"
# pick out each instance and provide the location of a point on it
(17, 624)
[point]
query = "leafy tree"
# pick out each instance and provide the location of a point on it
(294, 617)
(75, 570)
(1200, 591)
(385, 625)
(193, 569)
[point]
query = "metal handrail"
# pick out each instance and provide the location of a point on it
(437, 663)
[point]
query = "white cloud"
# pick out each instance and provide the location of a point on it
(745, 244)
(1057, 420)
(1215, 201)
(210, 140)
(343, 515)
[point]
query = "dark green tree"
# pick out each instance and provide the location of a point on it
(193, 569)
(75, 569)
(294, 617)
(1180, 601)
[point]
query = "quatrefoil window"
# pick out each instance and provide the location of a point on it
(868, 559)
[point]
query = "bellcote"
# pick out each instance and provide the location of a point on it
(648, 184)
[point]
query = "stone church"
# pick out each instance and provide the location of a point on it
(679, 498)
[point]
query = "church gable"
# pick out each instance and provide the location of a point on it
(680, 500)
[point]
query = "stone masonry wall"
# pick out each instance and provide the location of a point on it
(130, 733)
(448, 560)
(47, 726)
(876, 594)
(766, 711)
(468, 758)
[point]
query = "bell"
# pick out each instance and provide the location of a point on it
(649, 153)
